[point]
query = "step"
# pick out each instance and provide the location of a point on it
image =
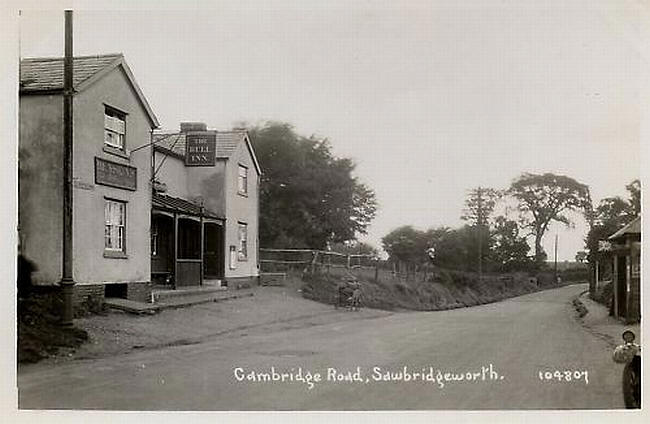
(185, 301)
(163, 295)
(131, 306)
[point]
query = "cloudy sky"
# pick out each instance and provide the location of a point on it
(430, 98)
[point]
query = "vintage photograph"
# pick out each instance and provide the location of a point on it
(338, 206)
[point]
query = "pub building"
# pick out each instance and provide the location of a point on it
(127, 229)
(206, 197)
(111, 189)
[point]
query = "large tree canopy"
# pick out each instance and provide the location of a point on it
(308, 197)
(609, 216)
(544, 198)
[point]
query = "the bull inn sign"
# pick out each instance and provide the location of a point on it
(200, 149)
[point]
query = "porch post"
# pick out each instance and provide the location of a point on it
(615, 285)
(628, 285)
(175, 250)
(202, 245)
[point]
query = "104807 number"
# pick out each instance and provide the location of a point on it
(564, 376)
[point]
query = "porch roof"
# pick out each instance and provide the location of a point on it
(178, 205)
(633, 227)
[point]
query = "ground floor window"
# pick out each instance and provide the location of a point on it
(242, 252)
(114, 225)
(233, 257)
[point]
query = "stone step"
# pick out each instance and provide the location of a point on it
(166, 294)
(207, 296)
(131, 306)
(185, 301)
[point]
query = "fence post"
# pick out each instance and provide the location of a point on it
(313, 261)
(376, 272)
(348, 262)
(329, 264)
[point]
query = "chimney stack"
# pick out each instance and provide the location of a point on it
(193, 126)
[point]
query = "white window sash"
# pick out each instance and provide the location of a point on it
(114, 229)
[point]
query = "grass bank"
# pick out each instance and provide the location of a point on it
(440, 290)
(39, 331)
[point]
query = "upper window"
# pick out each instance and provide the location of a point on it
(115, 226)
(242, 180)
(114, 128)
(242, 253)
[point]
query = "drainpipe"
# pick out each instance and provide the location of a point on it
(67, 283)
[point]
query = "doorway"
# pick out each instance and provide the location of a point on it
(213, 256)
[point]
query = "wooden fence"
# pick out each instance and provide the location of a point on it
(316, 261)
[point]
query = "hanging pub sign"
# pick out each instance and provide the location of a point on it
(115, 174)
(200, 149)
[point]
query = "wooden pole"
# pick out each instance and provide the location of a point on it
(67, 282)
(556, 258)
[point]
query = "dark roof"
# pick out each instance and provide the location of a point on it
(227, 142)
(633, 227)
(42, 75)
(176, 204)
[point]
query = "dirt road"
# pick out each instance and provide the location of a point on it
(503, 346)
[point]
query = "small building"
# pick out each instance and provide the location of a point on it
(111, 175)
(205, 209)
(626, 263)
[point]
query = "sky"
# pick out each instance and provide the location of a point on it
(430, 99)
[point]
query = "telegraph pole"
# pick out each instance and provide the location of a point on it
(556, 258)
(480, 233)
(67, 283)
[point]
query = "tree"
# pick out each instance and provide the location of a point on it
(407, 245)
(479, 205)
(355, 248)
(581, 256)
(510, 250)
(544, 198)
(308, 197)
(611, 214)
(634, 188)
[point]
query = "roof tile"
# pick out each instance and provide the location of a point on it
(176, 204)
(44, 74)
(226, 142)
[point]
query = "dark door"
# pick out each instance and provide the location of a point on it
(162, 244)
(213, 258)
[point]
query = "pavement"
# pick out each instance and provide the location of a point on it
(528, 352)
(602, 325)
(237, 312)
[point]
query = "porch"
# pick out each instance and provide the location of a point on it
(187, 244)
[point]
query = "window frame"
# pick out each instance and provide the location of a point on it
(242, 191)
(118, 252)
(242, 248)
(112, 112)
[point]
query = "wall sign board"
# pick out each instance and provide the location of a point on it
(115, 174)
(200, 149)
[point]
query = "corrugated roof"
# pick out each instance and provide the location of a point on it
(226, 142)
(633, 227)
(44, 74)
(176, 204)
